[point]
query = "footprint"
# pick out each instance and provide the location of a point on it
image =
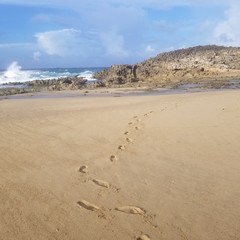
(131, 210)
(130, 123)
(113, 158)
(88, 205)
(143, 237)
(129, 140)
(137, 128)
(135, 116)
(121, 147)
(83, 169)
(101, 183)
(138, 211)
(126, 133)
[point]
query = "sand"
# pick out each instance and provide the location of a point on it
(133, 167)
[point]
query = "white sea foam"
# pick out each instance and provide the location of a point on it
(88, 75)
(15, 73)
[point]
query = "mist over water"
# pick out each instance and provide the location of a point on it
(14, 73)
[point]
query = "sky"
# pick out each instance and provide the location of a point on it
(99, 33)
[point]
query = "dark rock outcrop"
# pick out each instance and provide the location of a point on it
(69, 83)
(185, 65)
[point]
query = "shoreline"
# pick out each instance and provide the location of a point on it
(115, 92)
(72, 86)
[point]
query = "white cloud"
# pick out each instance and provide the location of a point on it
(227, 32)
(117, 30)
(149, 49)
(114, 43)
(60, 42)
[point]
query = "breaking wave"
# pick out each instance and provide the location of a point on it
(14, 73)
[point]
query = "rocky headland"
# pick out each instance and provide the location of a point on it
(202, 66)
(209, 65)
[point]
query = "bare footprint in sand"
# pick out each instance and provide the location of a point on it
(138, 211)
(121, 147)
(101, 183)
(91, 207)
(105, 184)
(129, 140)
(126, 133)
(88, 205)
(113, 158)
(131, 210)
(83, 169)
(143, 237)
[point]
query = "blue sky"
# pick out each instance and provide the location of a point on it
(84, 33)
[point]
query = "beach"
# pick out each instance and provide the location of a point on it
(127, 167)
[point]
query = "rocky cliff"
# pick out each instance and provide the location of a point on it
(196, 64)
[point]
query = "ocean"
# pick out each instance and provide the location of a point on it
(14, 73)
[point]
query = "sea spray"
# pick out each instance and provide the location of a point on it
(15, 73)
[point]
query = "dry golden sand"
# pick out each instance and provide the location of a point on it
(145, 167)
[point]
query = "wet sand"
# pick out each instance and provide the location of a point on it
(132, 167)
